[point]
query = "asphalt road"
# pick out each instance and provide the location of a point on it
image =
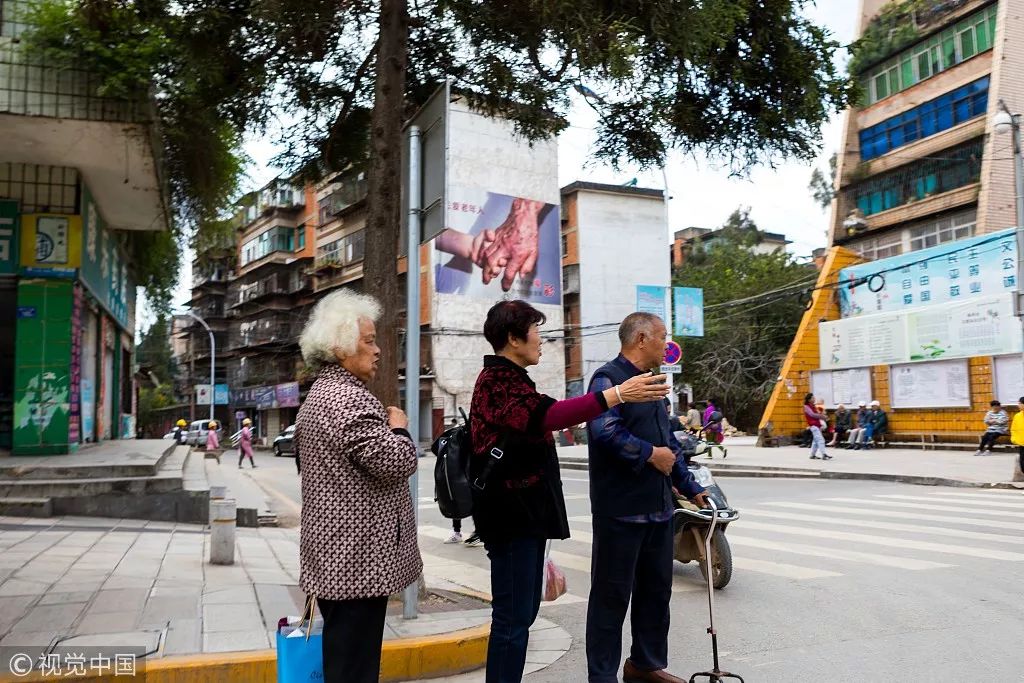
(834, 581)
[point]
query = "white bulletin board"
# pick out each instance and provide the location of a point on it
(939, 384)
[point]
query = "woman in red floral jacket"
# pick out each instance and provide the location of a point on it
(521, 505)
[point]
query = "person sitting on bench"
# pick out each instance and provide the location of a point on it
(997, 424)
(877, 425)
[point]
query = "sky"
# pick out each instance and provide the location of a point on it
(700, 194)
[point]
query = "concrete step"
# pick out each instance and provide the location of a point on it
(85, 464)
(62, 488)
(161, 496)
(26, 507)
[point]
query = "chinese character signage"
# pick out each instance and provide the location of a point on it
(496, 244)
(287, 395)
(8, 237)
(982, 326)
(978, 266)
(104, 267)
(689, 311)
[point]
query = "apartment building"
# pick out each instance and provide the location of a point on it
(267, 302)
(920, 164)
(613, 239)
(213, 269)
(686, 240)
(69, 207)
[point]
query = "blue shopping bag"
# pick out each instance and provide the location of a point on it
(300, 660)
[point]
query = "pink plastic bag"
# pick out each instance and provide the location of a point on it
(554, 581)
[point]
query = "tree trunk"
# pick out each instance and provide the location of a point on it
(380, 277)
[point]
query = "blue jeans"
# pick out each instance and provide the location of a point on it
(517, 571)
(817, 441)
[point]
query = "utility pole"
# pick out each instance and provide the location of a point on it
(213, 358)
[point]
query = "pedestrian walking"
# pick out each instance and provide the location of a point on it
(245, 443)
(635, 461)
(814, 422)
(358, 529)
(997, 424)
(521, 505)
(712, 431)
(212, 442)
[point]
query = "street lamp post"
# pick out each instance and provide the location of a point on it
(1005, 122)
(213, 357)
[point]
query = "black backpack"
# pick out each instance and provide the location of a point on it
(454, 486)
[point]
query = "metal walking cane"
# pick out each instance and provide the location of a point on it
(716, 674)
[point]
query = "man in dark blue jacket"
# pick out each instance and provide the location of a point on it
(635, 461)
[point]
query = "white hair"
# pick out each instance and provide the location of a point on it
(333, 326)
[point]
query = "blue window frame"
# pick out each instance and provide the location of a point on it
(934, 116)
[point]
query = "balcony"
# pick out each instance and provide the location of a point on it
(272, 285)
(263, 332)
(348, 192)
(260, 372)
(341, 253)
(51, 116)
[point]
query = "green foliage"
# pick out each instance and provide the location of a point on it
(894, 28)
(154, 350)
(152, 400)
(822, 188)
(154, 258)
(738, 358)
(172, 56)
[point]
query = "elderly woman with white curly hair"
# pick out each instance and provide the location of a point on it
(358, 542)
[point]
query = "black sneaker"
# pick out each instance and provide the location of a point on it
(826, 457)
(814, 457)
(473, 541)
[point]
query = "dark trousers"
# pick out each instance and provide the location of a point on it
(517, 571)
(1020, 454)
(242, 455)
(628, 560)
(988, 440)
(353, 633)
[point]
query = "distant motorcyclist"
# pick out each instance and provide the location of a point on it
(180, 432)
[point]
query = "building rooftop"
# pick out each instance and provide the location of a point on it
(613, 189)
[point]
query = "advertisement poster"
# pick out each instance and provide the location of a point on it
(652, 299)
(75, 412)
(52, 239)
(949, 273)
(499, 246)
(220, 394)
(287, 395)
(689, 311)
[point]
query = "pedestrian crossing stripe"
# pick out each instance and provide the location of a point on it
(835, 553)
(960, 502)
(887, 526)
(903, 543)
(839, 509)
(994, 494)
(787, 571)
(922, 506)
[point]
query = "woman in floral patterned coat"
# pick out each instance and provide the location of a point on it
(358, 538)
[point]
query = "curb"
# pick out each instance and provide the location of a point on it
(402, 659)
(780, 472)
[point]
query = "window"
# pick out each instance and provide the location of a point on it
(968, 38)
(300, 233)
(881, 247)
(344, 251)
(947, 170)
(948, 229)
(278, 238)
(932, 117)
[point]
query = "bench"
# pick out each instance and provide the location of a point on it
(941, 440)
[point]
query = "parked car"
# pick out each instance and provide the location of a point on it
(197, 432)
(284, 444)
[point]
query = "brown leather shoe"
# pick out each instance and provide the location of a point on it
(631, 674)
